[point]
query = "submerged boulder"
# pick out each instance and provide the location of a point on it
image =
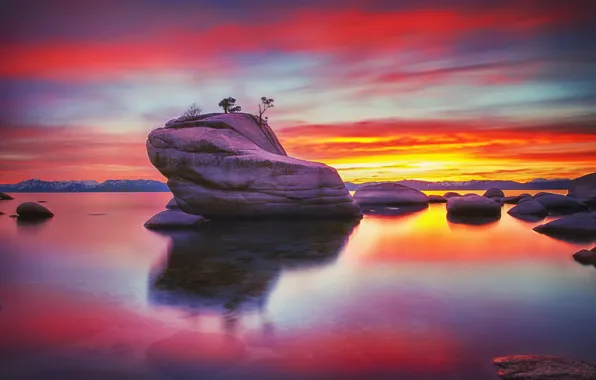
(494, 193)
(581, 225)
(451, 194)
(174, 219)
(389, 194)
(516, 198)
(543, 368)
(230, 166)
(531, 210)
(586, 257)
(5, 197)
(33, 210)
(172, 204)
(525, 199)
(436, 199)
(560, 204)
(473, 206)
(583, 189)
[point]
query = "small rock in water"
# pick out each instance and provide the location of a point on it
(13, 216)
(174, 219)
(5, 197)
(389, 194)
(473, 206)
(32, 210)
(494, 193)
(532, 211)
(451, 194)
(586, 257)
(543, 368)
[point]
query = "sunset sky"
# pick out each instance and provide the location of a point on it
(381, 90)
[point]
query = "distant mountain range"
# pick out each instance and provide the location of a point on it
(537, 184)
(111, 185)
(147, 185)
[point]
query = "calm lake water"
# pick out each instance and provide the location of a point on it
(92, 294)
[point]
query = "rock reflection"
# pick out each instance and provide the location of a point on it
(233, 265)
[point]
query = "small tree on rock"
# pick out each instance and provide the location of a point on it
(266, 103)
(229, 105)
(192, 112)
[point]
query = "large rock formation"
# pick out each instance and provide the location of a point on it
(561, 205)
(229, 166)
(582, 225)
(389, 194)
(583, 189)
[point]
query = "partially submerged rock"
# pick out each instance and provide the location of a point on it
(525, 199)
(33, 210)
(473, 206)
(5, 197)
(172, 204)
(531, 210)
(229, 166)
(389, 194)
(543, 368)
(516, 198)
(586, 257)
(436, 199)
(451, 194)
(582, 225)
(560, 204)
(174, 219)
(494, 193)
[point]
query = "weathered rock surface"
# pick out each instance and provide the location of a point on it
(32, 210)
(586, 257)
(172, 204)
(473, 206)
(583, 189)
(543, 368)
(5, 197)
(580, 225)
(560, 204)
(531, 210)
(436, 199)
(389, 194)
(174, 219)
(228, 166)
(494, 193)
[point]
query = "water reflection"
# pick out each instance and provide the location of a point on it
(473, 220)
(233, 265)
(394, 211)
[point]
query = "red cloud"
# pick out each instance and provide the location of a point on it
(349, 34)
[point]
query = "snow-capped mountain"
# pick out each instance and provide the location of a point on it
(539, 184)
(125, 185)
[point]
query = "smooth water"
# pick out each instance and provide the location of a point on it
(92, 294)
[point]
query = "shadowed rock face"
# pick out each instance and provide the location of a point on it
(389, 194)
(494, 193)
(583, 189)
(5, 197)
(235, 264)
(544, 368)
(576, 227)
(32, 211)
(473, 206)
(530, 210)
(560, 204)
(227, 166)
(174, 219)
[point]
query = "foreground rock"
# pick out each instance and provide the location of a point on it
(389, 194)
(172, 205)
(32, 211)
(494, 193)
(174, 219)
(5, 197)
(473, 206)
(583, 189)
(228, 166)
(531, 211)
(586, 257)
(436, 199)
(560, 204)
(543, 368)
(581, 225)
